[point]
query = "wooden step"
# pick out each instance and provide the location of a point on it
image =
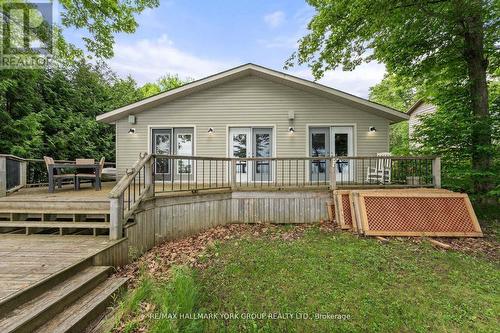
(61, 224)
(35, 290)
(79, 315)
(34, 313)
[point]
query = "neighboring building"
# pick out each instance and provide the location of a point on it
(251, 111)
(420, 108)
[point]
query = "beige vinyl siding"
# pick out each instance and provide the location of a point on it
(249, 101)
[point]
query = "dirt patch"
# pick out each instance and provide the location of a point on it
(486, 247)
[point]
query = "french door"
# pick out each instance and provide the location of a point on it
(331, 141)
(319, 146)
(245, 142)
(343, 145)
(173, 141)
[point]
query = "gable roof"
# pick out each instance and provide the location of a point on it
(262, 72)
(415, 106)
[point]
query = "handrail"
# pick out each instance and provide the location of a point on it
(207, 158)
(129, 177)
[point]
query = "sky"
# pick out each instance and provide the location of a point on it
(197, 38)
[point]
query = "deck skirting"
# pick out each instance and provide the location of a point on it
(167, 218)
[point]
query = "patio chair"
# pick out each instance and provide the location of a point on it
(91, 176)
(381, 173)
(58, 177)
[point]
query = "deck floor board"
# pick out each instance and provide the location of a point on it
(27, 260)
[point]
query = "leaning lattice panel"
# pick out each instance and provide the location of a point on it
(417, 213)
(343, 208)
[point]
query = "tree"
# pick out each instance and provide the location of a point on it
(100, 19)
(51, 111)
(164, 83)
(427, 41)
(400, 94)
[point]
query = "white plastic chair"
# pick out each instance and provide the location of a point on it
(381, 173)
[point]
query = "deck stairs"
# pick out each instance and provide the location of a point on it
(64, 302)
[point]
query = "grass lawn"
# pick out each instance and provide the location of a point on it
(395, 287)
(392, 287)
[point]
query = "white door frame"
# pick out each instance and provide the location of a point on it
(354, 138)
(229, 127)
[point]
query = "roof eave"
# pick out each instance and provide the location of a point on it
(247, 69)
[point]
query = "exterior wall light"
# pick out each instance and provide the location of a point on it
(291, 130)
(372, 129)
(211, 131)
(131, 131)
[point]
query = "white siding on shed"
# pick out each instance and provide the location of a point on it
(420, 110)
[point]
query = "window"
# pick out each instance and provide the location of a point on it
(184, 148)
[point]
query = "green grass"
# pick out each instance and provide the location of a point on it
(395, 287)
(152, 305)
(371, 287)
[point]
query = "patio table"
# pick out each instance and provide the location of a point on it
(59, 166)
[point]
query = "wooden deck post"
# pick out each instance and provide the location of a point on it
(116, 222)
(333, 174)
(233, 174)
(436, 171)
(149, 178)
(3, 176)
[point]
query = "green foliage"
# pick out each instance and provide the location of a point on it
(418, 39)
(448, 133)
(437, 44)
(395, 287)
(52, 111)
(400, 94)
(164, 83)
(395, 91)
(102, 19)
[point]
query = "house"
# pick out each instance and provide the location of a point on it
(417, 110)
(250, 111)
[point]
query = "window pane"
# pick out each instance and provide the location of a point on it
(341, 144)
(162, 147)
(162, 144)
(318, 144)
(240, 151)
(262, 145)
(184, 148)
(240, 145)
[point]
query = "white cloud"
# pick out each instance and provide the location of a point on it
(274, 19)
(280, 42)
(356, 82)
(146, 60)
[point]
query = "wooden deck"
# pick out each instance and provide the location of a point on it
(63, 200)
(29, 260)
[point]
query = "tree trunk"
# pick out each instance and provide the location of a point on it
(481, 127)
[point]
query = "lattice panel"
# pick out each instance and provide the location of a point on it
(438, 215)
(346, 210)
